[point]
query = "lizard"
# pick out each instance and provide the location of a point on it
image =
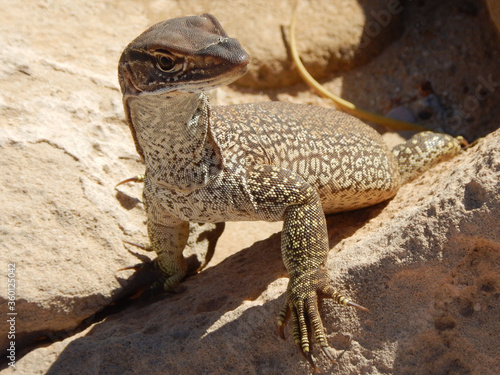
(272, 161)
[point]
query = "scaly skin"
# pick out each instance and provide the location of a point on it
(265, 161)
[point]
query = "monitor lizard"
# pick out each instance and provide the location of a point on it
(269, 161)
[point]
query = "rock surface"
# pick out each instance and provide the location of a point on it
(427, 265)
(64, 145)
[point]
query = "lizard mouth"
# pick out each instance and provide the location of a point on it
(216, 65)
(220, 75)
(128, 77)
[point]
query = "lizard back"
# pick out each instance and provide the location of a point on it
(346, 160)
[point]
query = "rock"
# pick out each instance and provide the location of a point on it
(330, 35)
(494, 7)
(62, 243)
(426, 264)
(63, 147)
(402, 113)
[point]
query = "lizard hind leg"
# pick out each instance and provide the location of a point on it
(423, 151)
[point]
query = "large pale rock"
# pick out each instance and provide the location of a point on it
(427, 265)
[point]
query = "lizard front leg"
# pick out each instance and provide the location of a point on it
(304, 246)
(168, 236)
(304, 249)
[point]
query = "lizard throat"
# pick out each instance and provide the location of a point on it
(176, 139)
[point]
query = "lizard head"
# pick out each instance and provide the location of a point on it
(183, 55)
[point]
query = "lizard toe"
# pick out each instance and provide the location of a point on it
(170, 283)
(140, 267)
(135, 179)
(304, 317)
(328, 291)
(302, 308)
(283, 318)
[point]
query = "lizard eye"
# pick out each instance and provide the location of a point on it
(165, 63)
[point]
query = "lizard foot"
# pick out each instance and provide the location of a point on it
(302, 307)
(168, 283)
(169, 279)
(163, 283)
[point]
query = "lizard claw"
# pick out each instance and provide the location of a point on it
(310, 359)
(140, 246)
(147, 266)
(138, 178)
(352, 304)
(135, 267)
(329, 353)
(330, 292)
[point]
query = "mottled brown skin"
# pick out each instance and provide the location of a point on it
(265, 161)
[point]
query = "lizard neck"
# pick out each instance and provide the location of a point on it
(176, 138)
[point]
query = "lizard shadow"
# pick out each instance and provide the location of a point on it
(193, 316)
(127, 201)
